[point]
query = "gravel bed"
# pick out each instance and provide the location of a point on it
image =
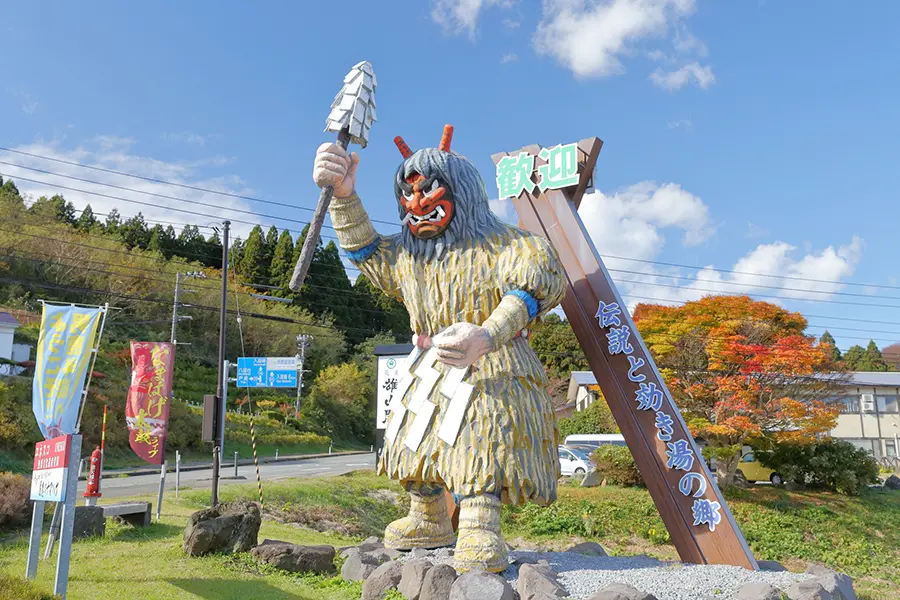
(582, 576)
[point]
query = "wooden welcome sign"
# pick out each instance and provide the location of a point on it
(546, 186)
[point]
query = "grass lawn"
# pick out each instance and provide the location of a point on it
(856, 535)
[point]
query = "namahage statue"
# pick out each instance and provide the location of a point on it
(472, 285)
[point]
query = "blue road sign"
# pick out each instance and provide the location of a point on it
(271, 372)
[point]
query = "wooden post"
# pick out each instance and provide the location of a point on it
(680, 490)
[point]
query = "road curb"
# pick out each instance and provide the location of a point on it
(225, 465)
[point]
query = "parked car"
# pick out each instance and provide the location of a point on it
(595, 440)
(574, 461)
(753, 471)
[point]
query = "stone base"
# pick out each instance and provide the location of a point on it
(89, 522)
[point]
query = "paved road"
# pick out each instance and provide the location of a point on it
(319, 467)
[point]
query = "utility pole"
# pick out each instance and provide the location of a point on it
(220, 387)
(302, 344)
(176, 318)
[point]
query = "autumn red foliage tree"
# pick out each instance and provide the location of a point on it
(742, 371)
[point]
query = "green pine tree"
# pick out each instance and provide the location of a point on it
(853, 356)
(828, 339)
(282, 266)
(253, 263)
(87, 221)
(872, 359)
(113, 223)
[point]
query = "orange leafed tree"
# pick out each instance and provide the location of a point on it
(742, 370)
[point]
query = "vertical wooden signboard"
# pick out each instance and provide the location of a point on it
(546, 186)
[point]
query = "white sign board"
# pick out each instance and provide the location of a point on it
(51, 465)
(390, 369)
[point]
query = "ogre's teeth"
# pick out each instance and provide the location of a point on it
(440, 211)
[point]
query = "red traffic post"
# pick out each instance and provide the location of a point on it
(93, 481)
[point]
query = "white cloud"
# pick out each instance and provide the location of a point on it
(511, 23)
(118, 154)
(461, 16)
(190, 138)
(508, 58)
(590, 38)
(677, 79)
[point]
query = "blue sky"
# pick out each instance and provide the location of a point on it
(754, 136)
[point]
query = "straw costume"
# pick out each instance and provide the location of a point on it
(471, 284)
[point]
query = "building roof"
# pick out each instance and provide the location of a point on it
(857, 378)
(584, 378)
(8, 319)
(874, 378)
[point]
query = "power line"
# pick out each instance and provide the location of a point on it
(793, 278)
(392, 224)
(327, 288)
(348, 267)
(153, 180)
(821, 300)
(752, 285)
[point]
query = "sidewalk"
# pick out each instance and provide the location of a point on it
(195, 466)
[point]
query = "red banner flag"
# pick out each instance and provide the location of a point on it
(147, 408)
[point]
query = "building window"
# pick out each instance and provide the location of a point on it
(887, 404)
(864, 445)
(849, 404)
(890, 448)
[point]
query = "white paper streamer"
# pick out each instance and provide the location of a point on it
(416, 431)
(456, 410)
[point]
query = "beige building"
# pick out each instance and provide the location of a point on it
(869, 419)
(870, 415)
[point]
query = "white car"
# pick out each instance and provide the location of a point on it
(574, 461)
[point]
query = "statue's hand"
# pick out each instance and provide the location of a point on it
(462, 344)
(333, 166)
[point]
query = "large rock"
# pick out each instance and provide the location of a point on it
(478, 585)
(818, 570)
(89, 522)
(810, 589)
(538, 581)
(758, 591)
(438, 582)
(592, 479)
(588, 548)
(413, 576)
(358, 565)
(384, 578)
(892, 483)
(298, 559)
(228, 528)
(838, 585)
(621, 591)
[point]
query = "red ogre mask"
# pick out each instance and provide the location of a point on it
(427, 201)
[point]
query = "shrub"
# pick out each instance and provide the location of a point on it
(15, 502)
(16, 588)
(831, 464)
(596, 418)
(616, 465)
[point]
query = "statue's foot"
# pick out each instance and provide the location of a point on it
(480, 546)
(426, 526)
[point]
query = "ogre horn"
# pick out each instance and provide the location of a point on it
(446, 138)
(403, 147)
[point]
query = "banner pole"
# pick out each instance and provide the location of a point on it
(162, 486)
(104, 310)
